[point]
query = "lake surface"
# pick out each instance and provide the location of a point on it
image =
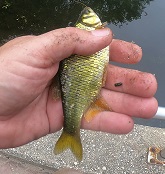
(140, 21)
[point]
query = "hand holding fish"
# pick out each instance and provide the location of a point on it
(28, 64)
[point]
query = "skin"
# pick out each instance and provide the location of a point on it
(28, 64)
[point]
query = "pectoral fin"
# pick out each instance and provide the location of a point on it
(96, 107)
(55, 87)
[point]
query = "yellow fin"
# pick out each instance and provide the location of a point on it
(68, 141)
(97, 106)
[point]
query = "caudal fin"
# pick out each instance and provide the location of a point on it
(67, 141)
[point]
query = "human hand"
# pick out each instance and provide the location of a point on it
(28, 64)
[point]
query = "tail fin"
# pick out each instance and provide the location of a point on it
(67, 141)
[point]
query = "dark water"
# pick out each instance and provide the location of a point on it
(141, 21)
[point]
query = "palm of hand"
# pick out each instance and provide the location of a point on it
(29, 87)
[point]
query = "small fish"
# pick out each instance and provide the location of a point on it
(81, 79)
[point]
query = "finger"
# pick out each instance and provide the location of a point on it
(110, 122)
(61, 43)
(125, 52)
(132, 81)
(105, 121)
(130, 105)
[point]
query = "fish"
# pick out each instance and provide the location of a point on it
(81, 79)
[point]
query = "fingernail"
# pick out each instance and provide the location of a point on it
(101, 32)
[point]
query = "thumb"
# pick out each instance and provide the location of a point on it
(61, 43)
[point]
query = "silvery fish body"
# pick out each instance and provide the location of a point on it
(81, 79)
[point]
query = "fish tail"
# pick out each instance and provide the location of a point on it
(68, 141)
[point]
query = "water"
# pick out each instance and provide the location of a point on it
(141, 21)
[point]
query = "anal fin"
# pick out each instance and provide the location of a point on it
(96, 107)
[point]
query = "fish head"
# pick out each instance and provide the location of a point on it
(89, 18)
